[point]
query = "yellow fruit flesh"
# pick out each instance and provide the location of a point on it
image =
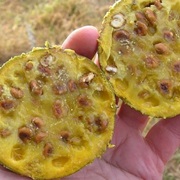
(76, 122)
(139, 53)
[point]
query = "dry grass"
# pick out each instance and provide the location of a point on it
(29, 23)
(32, 22)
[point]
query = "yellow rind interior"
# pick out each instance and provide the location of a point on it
(27, 158)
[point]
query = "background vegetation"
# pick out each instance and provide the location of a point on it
(28, 23)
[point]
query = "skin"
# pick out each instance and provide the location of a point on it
(134, 157)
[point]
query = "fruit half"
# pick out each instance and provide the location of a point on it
(139, 51)
(56, 113)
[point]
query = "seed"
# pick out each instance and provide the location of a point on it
(118, 21)
(45, 70)
(16, 92)
(39, 137)
(168, 35)
(158, 4)
(111, 69)
(150, 16)
(58, 109)
(141, 17)
(101, 123)
(141, 28)
(64, 135)
(165, 86)
(47, 60)
(151, 61)
(7, 104)
(48, 149)
(5, 133)
(121, 35)
(176, 66)
(25, 134)
(38, 122)
(72, 85)
(161, 48)
(84, 101)
(87, 77)
(35, 87)
(29, 66)
(1, 90)
(59, 89)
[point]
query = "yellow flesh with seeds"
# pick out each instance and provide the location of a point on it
(56, 113)
(139, 53)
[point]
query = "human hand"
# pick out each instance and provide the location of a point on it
(134, 157)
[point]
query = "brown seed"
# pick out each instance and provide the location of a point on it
(40, 136)
(59, 89)
(158, 4)
(16, 92)
(169, 35)
(176, 66)
(161, 48)
(25, 134)
(72, 85)
(48, 149)
(29, 66)
(121, 35)
(64, 135)
(44, 69)
(165, 86)
(151, 61)
(38, 122)
(35, 87)
(5, 133)
(1, 90)
(141, 17)
(58, 109)
(141, 28)
(101, 123)
(84, 101)
(7, 104)
(150, 16)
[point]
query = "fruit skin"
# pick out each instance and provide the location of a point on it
(26, 158)
(160, 105)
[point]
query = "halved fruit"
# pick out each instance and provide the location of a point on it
(56, 113)
(139, 50)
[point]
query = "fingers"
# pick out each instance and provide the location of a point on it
(132, 118)
(83, 41)
(164, 137)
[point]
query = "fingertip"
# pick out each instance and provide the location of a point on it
(83, 41)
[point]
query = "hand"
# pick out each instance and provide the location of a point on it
(134, 157)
